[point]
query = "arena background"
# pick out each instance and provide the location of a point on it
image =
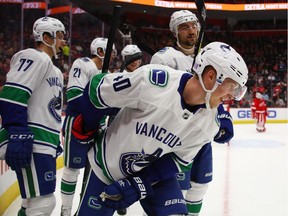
(257, 30)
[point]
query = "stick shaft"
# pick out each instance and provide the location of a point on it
(113, 29)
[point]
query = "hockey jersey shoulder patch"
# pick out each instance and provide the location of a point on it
(85, 59)
(163, 50)
(158, 77)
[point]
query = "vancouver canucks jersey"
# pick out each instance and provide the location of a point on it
(32, 96)
(154, 120)
(82, 70)
(173, 58)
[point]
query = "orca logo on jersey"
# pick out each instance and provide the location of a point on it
(54, 106)
(132, 162)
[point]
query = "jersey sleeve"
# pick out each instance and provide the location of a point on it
(106, 93)
(116, 90)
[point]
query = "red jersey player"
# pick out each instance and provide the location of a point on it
(259, 112)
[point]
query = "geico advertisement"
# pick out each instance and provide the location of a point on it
(246, 114)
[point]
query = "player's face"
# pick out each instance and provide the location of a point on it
(113, 54)
(187, 34)
(60, 41)
(224, 92)
(133, 66)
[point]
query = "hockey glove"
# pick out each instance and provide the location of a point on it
(226, 132)
(123, 193)
(20, 146)
(80, 134)
(59, 150)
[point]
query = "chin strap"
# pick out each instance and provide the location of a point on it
(207, 100)
(53, 46)
(208, 92)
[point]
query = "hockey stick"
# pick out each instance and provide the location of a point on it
(105, 67)
(202, 11)
(113, 29)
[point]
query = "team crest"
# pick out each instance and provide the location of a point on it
(94, 203)
(54, 106)
(132, 162)
(158, 77)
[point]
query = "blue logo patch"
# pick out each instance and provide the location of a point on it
(77, 160)
(163, 50)
(158, 77)
(180, 176)
(93, 203)
(49, 176)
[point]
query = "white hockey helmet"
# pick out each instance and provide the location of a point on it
(227, 63)
(180, 17)
(129, 50)
(47, 24)
(100, 42)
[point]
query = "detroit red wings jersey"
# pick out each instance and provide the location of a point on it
(259, 106)
(152, 121)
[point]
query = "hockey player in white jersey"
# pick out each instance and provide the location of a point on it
(75, 156)
(163, 112)
(132, 58)
(185, 27)
(31, 106)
